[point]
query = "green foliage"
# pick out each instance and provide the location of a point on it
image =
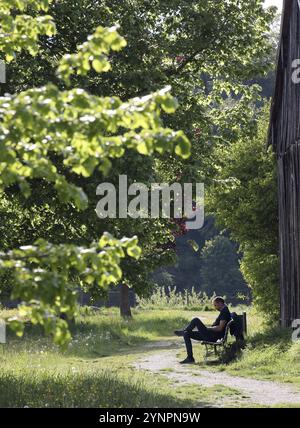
(244, 198)
(21, 31)
(207, 260)
(164, 279)
(205, 50)
(39, 122)
(51, 135)
(169, 297)
(260, 267)
(220, 269)
(44, 273)
(57, 143)
(92, 54)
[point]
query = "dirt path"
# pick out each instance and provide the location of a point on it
(257, 391)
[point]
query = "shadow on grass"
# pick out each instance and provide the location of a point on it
(158, 326)
(120, 337)
(93, 391)
(106, 336)
(229, 354)
(104, 350)
(271, 336)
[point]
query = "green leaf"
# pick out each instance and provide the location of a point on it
(183, 147)
(17, 326)
(101, 65)
(169, 104)
(134, 252)
(193, 244)
(144, 148)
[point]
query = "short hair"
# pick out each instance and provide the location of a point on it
(218, 299)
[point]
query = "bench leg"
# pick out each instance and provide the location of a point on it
(206, 352)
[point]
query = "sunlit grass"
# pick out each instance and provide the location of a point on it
(96, 369)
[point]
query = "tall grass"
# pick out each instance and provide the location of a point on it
(100, 389)
(170, 298)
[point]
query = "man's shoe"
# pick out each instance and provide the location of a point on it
(179, 332)
(188, 360)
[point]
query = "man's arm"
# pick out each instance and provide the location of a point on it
(218, 328)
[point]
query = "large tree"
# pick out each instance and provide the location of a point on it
(205, 50)
(59, 137)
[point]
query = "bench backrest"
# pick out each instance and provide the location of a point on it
(239, 326)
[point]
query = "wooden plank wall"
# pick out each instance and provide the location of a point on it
(285, 138)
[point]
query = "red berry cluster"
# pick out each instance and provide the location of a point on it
(181, 227)
(181, 230)
(180, 58)
(197, 132)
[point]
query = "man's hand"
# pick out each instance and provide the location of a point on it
(220, 327)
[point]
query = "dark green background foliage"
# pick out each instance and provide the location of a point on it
(210, 52)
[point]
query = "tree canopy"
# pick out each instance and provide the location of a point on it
(84, 131)
(77, 109)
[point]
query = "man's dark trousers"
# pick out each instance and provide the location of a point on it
(203, 333)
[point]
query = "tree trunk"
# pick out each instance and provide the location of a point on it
(124, 301)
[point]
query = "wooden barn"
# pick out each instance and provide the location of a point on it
(284, 136)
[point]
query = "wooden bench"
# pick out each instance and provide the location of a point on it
(214, 348)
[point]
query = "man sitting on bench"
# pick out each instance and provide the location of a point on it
(208, 334)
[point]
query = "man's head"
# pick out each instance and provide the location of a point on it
(218, 303)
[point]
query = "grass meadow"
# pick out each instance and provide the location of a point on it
(96, 369)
